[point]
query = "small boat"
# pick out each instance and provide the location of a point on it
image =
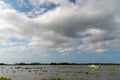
(93, 66)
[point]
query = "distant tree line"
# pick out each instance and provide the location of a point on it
(64, 63)
(2, 64)
(36, 63)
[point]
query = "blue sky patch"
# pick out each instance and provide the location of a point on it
(17, 40)
(20, 6)
(73, 1)
(26, 6)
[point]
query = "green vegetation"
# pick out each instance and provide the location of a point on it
(87, 72)
(82, 79)
(97, 75)
(55, 79)
(44, 79)
(18, 67)
(3, 78)
(52, 79)
(112, 74)
(80, 71)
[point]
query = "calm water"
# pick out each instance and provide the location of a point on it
(65, 72)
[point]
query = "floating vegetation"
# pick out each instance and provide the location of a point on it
(55, 79)
(3, 78)
(45, 71)
(112, 74)
(80, 71)
(112, 69)
(18, 67)
(83, 79)
(43, 79)
(59, 72)
(97, 75)
(29, 71)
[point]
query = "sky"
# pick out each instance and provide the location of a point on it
(75, 31)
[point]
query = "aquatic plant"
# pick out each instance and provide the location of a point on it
(112, 69)
(83, 79)
(29, 71)
(87, 72)
(27, 68)
(45, 71)
(97, 75)
(55, 79)
(44, 79)
(3, 78)
(112, 74)
(80, 71)
(18, 67)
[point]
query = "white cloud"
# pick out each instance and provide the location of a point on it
(39, 2)
(3, 5)
(96, 25)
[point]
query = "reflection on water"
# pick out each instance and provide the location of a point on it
(60, 72)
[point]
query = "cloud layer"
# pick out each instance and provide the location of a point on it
(86, 26)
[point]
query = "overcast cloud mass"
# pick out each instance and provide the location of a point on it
(35, 30)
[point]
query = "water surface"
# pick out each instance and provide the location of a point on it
(64, 72)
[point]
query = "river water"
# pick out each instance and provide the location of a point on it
(64, 72)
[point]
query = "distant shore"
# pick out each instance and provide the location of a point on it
(61, 64)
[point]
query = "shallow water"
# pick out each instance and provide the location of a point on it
(65, 72)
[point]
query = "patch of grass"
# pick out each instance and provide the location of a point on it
(27, 68)
(55, 79)
(112, 74)
(44, 79)
(45, 71)
(3, 78)
(83, 79)
(29, 71)
(36, 70)
(18, 67)
(80, 71)
(112, 69)
(88, 72)
(97, 75)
